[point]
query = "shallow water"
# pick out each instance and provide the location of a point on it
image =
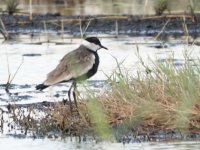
(37, 60)
(41, 144)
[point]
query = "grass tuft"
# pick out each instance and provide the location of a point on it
(165, 98)
(12, 6)
(161, 6)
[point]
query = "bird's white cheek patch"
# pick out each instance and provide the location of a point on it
(91, 46)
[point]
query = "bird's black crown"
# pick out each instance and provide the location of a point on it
(94, 40)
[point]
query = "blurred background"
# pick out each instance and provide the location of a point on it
(149, 42)
(104, 7)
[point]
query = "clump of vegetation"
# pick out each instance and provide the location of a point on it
(167, 97)
(192, 7)
(46, 119)
(161, 6)
(12, 6)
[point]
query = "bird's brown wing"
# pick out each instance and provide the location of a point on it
(72, 65)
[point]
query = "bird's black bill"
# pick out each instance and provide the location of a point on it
(104, 47)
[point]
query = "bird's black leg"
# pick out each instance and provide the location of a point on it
(69, 95)
(74, 94)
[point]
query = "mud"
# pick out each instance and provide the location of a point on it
(126, 24)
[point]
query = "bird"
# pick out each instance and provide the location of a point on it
(77, 65)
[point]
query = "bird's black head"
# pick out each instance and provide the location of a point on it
(95, 40)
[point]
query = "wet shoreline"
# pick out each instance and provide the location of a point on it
(169, 25)
(34, 126)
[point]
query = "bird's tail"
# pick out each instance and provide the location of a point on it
(41, 87)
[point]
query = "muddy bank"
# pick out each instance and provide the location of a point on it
(125, 24)
(56, 120)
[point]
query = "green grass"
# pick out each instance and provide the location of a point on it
(99, 119)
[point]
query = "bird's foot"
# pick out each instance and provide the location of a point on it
(68, 103)
(65, 101)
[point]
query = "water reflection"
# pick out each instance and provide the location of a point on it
(41, 144)
(98, 7)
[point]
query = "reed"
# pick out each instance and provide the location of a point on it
(30, 10)
(83, 27)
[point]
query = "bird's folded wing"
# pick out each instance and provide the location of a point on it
(72, 65)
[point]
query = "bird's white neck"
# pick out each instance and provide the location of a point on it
(91, 46)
